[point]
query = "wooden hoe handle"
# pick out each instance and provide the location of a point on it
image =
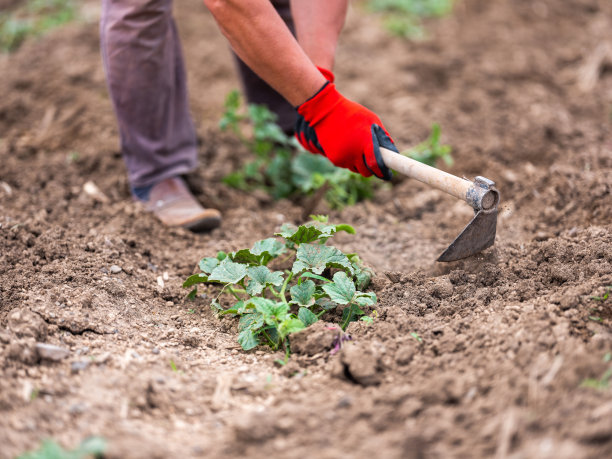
(479, 196)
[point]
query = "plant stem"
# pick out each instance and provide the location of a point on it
(272, 344)
(284, 287)
(235, 292)
(348, 317)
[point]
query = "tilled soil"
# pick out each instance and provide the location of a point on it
(482, 357)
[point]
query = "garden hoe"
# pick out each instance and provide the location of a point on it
(481, 194)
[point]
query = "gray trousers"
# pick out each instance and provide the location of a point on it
(146, 77)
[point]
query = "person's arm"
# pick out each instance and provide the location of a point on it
(347, 133)
(318, 24)
(262, 40)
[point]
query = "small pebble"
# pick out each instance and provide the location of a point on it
(51, 352)
(155, 351)
(75, 367)
(115, 269)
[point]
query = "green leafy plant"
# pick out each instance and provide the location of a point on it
(416, 336)
(404, 17)
(49, 449)
(281, 167)
(313, 279)
(605, 296)
(600, 384)
(431, 150)
(34, 19)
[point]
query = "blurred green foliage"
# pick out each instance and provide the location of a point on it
(430, 150)
(403, 17)
(90, 447)
(34, 18)
(280, 166)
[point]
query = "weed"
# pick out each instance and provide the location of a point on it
(404, 17)
(600, 384)
(605, 296)
(49, 449)
(417, 337)
(272, 304)
(281, 167)
(34, 19)
(173, 366)
(429, 151)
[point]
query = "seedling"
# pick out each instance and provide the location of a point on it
(281, 166)
(404, 17)
(605, 296)
(49, 449)
(429, 151)
(600, 384)
(272, 304)
(417, 337)
(35, 18)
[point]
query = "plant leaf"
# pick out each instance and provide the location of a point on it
(317, 257)
(290, 326)
(307, 316)
(245, 256)
(312, 232)
(366, 299)
(272, 312)
(268, 249)
(250, 321)
(228, 272)
(315, 276)
(261, 277)
(342, 290)
(208, 264)
(195, 279)
(303, 294)
(247, 339)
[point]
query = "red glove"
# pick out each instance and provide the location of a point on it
(348, 134)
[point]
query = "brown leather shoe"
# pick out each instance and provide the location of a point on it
(172, 202)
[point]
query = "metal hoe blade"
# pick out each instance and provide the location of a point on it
(479, 233)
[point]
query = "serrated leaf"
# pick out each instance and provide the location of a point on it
(195, 279)
(305, 234)
(290, 326)
(208, 264)
(307, 316)
(245, 256)
(251, 321)
(302, 234)
(366, 299)
(261, 277)
(303, 294)
(317, 257)
(271, 311)
(268, 249)
(248, 340)
(342, 290)
(228, 272)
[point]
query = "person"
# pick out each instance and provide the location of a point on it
(285, 51)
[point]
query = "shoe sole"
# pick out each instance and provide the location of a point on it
(203, 224)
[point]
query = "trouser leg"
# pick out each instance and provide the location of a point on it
(147, 84)
(258, 91)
